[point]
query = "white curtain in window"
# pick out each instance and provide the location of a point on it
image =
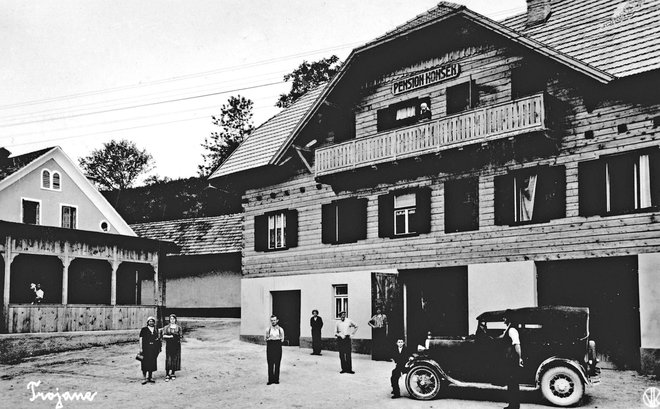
(526, 195)
(406, 112)
(644, 182)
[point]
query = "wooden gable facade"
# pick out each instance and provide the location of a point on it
(457, 165)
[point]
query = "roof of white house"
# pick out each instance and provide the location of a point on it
(14, 168)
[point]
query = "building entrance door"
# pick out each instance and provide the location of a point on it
(610, 288)
(436, 302)
(286, 305)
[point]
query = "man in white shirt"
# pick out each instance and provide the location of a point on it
(344, 329)
(274, 339)
(514, 361)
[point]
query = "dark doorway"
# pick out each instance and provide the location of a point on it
(436, 301)
(286, 305)
(610, 288)
(129, 282)
(89, 282)
(44, 270)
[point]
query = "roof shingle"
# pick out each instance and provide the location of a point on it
(259, 148)
(205, 235)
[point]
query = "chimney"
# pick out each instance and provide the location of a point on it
(4, 153)
(538, 11)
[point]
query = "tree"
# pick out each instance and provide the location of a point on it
(117, 165)
(306, 76)
(235, 122)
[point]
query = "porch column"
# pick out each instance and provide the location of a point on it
(66, 262)
(5, 294)
(157, 288)
(113, 280)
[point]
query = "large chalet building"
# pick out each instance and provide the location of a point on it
(458, 164)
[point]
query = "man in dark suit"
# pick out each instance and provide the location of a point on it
(400, 355)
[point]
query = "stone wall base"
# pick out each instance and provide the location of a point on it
(650, 361)
(14, 347)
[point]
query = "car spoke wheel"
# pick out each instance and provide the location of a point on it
(423, 383)
(562, 386)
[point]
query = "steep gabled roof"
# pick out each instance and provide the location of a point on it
(18, 167)
(260, 147)
(205, 235)
(582, 35)
(621, 38)
(13, 164)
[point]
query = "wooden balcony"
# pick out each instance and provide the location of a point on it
(475, 126)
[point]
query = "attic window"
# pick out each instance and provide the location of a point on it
(56, 180)
(656, 122)
(45, 179)
(623, 128)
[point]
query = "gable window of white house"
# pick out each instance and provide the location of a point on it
(50, 180)
(30, 211)
(69, 219)
(341, 299)
(404, 213)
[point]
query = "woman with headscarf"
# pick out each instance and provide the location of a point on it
(172, 334)
(149, 349)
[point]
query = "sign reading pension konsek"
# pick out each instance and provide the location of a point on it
(432, 76)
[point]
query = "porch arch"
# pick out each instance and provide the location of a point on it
(89, 281)
(33, 268)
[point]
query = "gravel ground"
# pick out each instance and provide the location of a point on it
(219, 371)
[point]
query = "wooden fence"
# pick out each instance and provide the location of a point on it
(73, 317)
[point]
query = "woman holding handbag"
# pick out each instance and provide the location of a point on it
(149, 349)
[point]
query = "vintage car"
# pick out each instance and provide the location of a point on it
(558, 356)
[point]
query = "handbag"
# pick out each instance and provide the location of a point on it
(139, 357)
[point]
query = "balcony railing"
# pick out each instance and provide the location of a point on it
(474, 126)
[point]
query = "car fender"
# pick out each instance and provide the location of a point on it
(555, 361)
(426, 362)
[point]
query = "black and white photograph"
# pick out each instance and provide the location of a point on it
(330, 204)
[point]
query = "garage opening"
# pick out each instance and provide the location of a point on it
(610, 288)
(435, 301)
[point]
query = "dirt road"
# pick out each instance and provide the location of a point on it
(219, 371)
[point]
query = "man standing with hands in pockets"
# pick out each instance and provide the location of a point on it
(344, 328)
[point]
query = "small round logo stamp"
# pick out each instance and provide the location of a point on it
(651, 397)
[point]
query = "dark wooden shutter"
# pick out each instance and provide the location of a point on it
(328, 223)
(386, 215)
(291, 228)
(591, 187)
(654, 170)
(474, 94)
(423, 210)
(261, 233)
(504, 197)
(352, 220)
(550, 200)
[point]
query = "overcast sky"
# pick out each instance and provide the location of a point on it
(79, 73)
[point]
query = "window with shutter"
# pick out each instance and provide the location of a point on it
(404, 213)
(535, 195)
(403, 113)
(462, 97)
(276, 230)
(619, 184)
(344, 221)
(461, 205)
